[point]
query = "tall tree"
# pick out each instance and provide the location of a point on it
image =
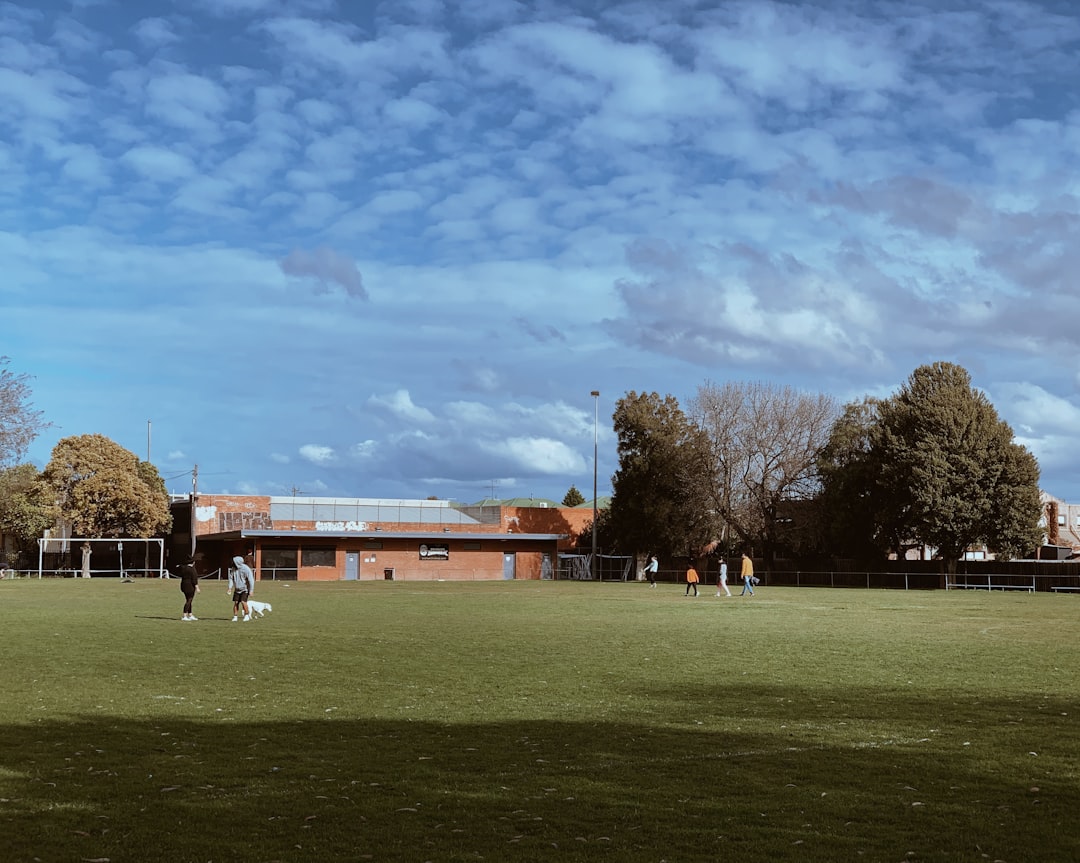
(659, 492)
(19, 423)
(847, 470)
(764, 446)
(104, 490)
(27, 509)
(950, 474)
(573, 497)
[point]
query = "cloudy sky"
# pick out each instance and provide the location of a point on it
(388, 249)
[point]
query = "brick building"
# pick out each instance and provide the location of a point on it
(330, 539)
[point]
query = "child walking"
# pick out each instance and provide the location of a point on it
(692, 579)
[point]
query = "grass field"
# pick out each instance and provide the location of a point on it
(527, 721)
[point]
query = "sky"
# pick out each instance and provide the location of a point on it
(318, 247)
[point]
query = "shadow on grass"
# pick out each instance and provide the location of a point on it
(349, 789)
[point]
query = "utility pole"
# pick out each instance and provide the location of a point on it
(194, 496)
(596, 413)
(146, 545)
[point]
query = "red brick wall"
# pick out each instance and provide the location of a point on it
(402, 555)
(563, 520)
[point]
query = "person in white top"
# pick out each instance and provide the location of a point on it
(650, 570)
(721, 579)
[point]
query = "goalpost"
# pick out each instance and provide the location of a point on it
(62, 545)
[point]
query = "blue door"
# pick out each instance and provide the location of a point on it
(352, 565)
(508, 565)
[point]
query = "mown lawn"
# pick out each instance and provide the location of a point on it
(526, 721)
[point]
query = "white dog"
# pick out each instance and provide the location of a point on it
(259, 608)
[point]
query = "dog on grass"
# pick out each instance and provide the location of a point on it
(259, 608)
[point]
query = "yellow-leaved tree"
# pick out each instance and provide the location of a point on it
(104, 490)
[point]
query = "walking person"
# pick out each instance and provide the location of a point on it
(242, 585)
(747, 576)
(650, 570)
(189, 586)
(721, 579)
(692, 579)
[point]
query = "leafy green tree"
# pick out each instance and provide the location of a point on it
(949, 472)
(659, 492)
(1013, 528)
(27, 509)
(19, 424)
(848, 471)
(104, 490)
(573, 497)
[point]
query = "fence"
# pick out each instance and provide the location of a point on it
(610, 567)
(97, 556)
(1030, 581)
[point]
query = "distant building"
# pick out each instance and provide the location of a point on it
(1061, 526)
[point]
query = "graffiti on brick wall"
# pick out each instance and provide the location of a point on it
(244, 521)
(341, 525)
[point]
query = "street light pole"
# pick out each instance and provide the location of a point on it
(596, 413)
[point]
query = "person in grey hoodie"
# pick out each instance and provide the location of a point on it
(242, 584)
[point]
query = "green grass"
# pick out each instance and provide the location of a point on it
(537, 721)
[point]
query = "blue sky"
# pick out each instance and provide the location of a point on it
(388, 249)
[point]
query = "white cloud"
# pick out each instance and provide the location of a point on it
(193, 103)
(155, 32)
(396, 201)
(414, 113)
(1030, 406)
(362, 450)
(318, 454)
(535, 455)
(400, 405)
(158, 163)
(45, 95)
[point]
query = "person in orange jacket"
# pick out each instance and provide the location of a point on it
(692, 579)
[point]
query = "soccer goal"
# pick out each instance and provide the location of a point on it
(100, 556)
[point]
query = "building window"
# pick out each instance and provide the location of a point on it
(472, 546)
(373, 545)
(278, 564)
(318, 557)
(1061, 521)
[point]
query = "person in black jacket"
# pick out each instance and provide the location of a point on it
(189, 585)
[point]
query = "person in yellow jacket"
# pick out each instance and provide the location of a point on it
(692, 579)
(747, 576)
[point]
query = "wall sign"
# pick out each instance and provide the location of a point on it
(434, 552)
